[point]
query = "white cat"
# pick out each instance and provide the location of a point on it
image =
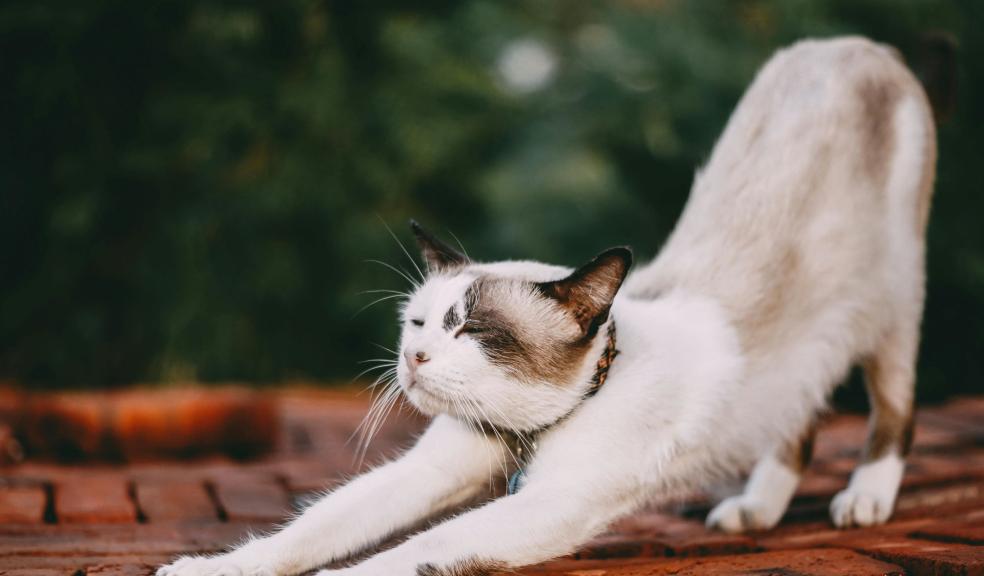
(800, 252)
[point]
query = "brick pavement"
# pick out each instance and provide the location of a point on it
(125, 519)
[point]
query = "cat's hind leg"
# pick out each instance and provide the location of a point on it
(769, 489)
(890, 381)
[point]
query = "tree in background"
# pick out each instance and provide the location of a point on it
(192, 189)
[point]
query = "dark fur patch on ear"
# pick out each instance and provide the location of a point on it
(438, 255)
(588, 292)
(467, 567)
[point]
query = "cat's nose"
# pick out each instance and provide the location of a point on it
(415, 358)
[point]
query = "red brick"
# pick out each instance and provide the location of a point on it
(618, 546)
(962, 414)
(93, 540)
(94, 500)
(839, 466)
(944, 487)
(707, 543)
(582, 567)
(923, 557)
(40, 572)
(842, 435)
(928, 469)
(819, 485)
(302, 476)
(197, 469)
(163, 501)
(76, 562)
(655, 523)
(65, 425)
(192, 421)
(820, 562)
(823, 534)
(966, 532)
(929, 437)
(22, 504)
(939, 499)
(249, 501)
(134, 569)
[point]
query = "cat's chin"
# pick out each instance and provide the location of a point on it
(427, 401)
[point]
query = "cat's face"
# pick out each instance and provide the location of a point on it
(511, 343)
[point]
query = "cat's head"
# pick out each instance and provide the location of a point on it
(514, 344)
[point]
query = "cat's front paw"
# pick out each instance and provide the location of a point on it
(854, 507)
(222, 565)
(741, 513)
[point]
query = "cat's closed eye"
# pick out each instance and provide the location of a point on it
(417, 322)
(469, 328)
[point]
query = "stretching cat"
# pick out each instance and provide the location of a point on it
(799, 253)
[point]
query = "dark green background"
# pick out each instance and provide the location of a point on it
(190, 190)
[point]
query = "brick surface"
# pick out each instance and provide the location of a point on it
(923, 557)
(966, 532)
(39, 572)
(22, 504)
(127, 519)
(74, 563)
(170, 501)
(246, 501)
(167, 539)
(94, 500)
(819, 562)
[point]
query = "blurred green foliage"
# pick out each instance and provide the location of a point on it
(192, 189)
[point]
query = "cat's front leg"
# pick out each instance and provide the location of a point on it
(450, 464)
(544, 520)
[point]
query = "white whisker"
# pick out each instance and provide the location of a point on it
(384, 291)
(460, 245)
(402, 273)
(377, 301)
(404, 248)
(380, 346)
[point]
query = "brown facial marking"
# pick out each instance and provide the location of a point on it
(497, 337)
(526, 354)
(451, 319)
(878, 98)
(467, 567)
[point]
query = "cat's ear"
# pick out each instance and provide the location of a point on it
(439, 256)
(588, 292)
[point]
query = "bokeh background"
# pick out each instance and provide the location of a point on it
(192, 190)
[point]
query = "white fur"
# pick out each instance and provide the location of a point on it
(766, 496)
(870, 496)
(788, 265)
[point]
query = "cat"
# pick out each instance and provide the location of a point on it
(593, 391)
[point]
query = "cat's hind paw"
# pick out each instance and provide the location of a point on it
(740, 513)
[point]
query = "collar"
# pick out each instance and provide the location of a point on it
(604, 363)
(523, 444)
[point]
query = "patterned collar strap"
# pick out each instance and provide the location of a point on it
(604, 363)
